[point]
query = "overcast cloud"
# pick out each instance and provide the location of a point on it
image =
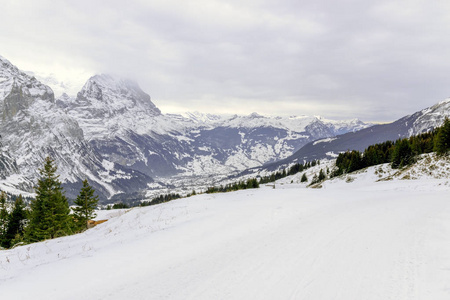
(374, 60)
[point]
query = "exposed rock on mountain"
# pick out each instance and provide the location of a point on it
(33, 127)
(114, 135)
(419, 122)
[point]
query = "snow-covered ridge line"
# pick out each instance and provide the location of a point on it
(292, 123)
(324, 141)
(111, 119)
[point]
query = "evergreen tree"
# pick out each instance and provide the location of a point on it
(402, 155)
(122, 205)
(315, 179)
(16, 224)
(50, 210)
(442, 139)
(85, 203)
(4, 218)
(304, 178)
(321, 175)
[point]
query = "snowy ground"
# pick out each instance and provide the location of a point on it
(352, 239)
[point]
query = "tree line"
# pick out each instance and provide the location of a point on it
(400, 153)
(48, 215)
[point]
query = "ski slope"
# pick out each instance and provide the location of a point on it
(359, 240)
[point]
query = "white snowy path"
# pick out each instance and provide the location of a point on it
(386, 240)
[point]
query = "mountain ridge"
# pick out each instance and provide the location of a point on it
(113, 134)
(33, 128)
(422, 121)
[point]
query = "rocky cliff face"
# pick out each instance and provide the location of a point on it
(125, 127)
(114, 135)
(34, 127)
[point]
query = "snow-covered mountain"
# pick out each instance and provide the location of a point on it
(124, 126)
(113, 134)
(419, 122)
(34, 127)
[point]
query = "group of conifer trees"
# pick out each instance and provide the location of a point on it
(48, 215)
(162, 199)
(251, 183)
(399, 153)
(294, 169)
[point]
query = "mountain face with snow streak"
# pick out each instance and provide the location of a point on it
(114, 135)
(125, 127)
(422, 121)
(428, 118)
(34, 127)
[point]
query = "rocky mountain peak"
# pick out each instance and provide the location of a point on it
(18, 91)
(116, 95)
(429, 118)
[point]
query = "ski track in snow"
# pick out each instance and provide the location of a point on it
(386, 240)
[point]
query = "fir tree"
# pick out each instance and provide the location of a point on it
(85, 203)
(321, 175)
(315, 179)
(50, 210)
(16, 224)
(402, 155)
(304, 178)
(442, 139)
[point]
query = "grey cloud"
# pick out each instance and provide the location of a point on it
(376, 60)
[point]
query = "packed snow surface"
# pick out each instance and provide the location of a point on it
(359, 240)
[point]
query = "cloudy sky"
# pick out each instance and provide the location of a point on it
(374, 60)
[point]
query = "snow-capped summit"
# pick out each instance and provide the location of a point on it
(255, 115)
(18, 90)
(343, 126)
(34, 126)
(107, 104)
(116, 95)
(206, 118)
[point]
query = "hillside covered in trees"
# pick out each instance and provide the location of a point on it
(399, 153)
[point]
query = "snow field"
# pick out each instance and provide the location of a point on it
(365, 240)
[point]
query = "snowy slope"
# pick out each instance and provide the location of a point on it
(430, 117)
(349, 240)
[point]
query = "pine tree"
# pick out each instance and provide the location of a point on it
(315, 179)
(16, 223)
(402, 155)
(4, 218)
(304, 178)
(50, 210)
(85, 203)
(442, 139)
(321, 175)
